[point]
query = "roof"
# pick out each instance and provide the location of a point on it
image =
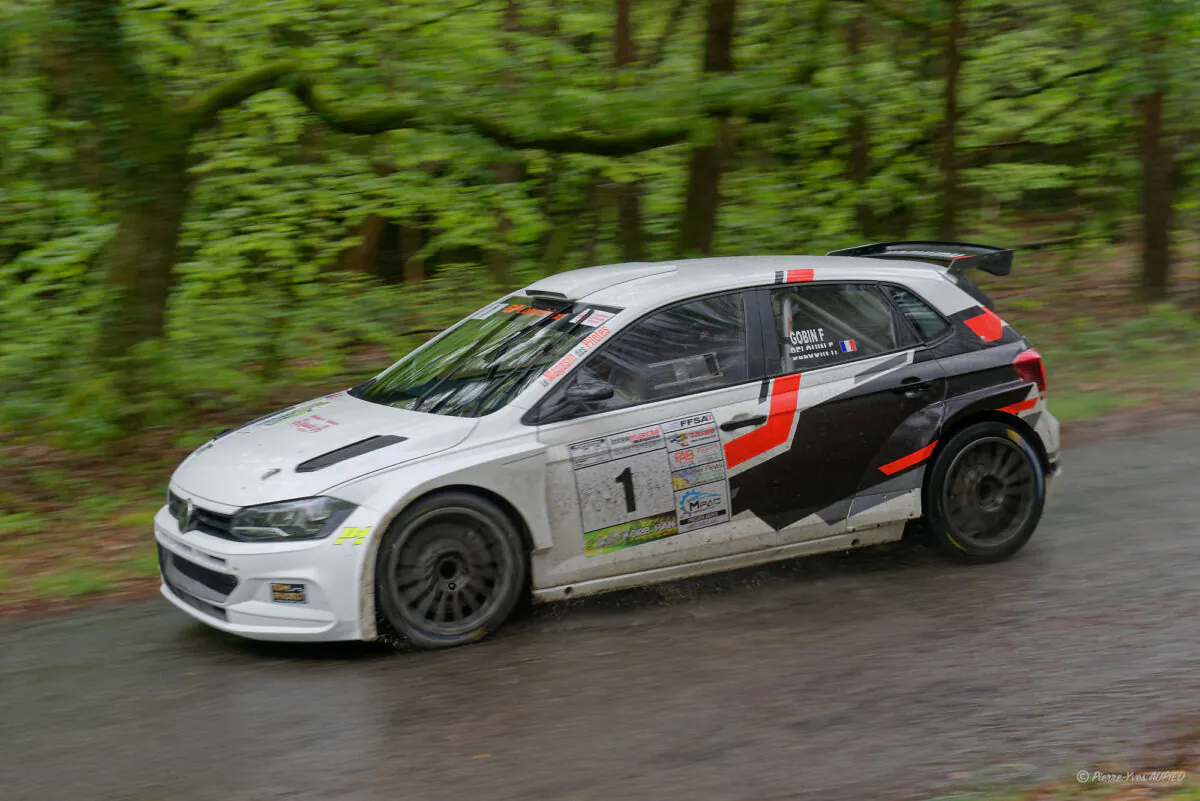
(642, 283)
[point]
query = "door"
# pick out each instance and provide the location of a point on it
(638, 480)
(849, 403)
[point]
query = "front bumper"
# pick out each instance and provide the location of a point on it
(228, 585)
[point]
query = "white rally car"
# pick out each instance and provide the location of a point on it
(616, 426)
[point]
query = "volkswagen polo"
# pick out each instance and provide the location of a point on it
(617, 426)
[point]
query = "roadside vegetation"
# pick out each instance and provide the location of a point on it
(210, 209)
(1106, 783)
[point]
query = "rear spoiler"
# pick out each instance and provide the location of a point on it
(958, 256)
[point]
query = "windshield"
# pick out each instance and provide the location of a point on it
(481, 364)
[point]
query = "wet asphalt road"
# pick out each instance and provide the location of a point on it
(887, 673)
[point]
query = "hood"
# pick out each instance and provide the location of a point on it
(272, 458)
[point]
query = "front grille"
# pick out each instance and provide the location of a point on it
(193, 601)
(220, 583)
(200, 519)
(218, 525)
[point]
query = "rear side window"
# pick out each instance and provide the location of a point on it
(928, 324)
(819, 325)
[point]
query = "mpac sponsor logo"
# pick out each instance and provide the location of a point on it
(694, 502)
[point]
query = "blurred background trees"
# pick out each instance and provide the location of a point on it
(202, 200)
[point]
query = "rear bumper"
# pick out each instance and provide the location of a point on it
(227, 586)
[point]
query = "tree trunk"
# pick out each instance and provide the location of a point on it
(144, 145)
(624, 48)
(952, 65)
(498, 259)
(628, 196)
(410, 247)
(859, 133)
(697, 227)
(629, 221)
(140, 259)
(361, 257)
(1156, 199)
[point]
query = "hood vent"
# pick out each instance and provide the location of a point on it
(348, 452)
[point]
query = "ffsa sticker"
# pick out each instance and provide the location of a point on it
(649, 483)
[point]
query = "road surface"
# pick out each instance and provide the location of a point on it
(880, 674)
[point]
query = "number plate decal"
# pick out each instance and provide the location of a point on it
(648, 483)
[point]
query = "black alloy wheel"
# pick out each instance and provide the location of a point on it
(449, 571)
(984, 493)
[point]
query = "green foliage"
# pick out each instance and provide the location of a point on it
(70, 583)
(263, 300)
(143, 519)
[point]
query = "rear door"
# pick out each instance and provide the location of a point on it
(853, 411)
(638, 481)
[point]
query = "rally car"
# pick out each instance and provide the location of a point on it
(616, 426)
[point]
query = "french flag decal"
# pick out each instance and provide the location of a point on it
(848, 346)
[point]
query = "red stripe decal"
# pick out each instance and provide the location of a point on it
(906, 462)
(798, 276)
(775, 431)
(986, 325)
(1019, 406)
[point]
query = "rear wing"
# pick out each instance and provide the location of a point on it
(958, 256)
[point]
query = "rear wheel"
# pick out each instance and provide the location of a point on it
(984, 494)
(449, 571)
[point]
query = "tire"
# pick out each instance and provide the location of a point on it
(984, 494)
(448, 572)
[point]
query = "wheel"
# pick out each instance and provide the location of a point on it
(984, 494)
(449, 571)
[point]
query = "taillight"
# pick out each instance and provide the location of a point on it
(1028, 365)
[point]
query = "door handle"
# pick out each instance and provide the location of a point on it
(744, 422)
(912, 386)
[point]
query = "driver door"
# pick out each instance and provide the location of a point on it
(638, 481)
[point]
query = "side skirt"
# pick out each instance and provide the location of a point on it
(838, 542)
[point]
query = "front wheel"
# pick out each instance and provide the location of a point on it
(984, 493)
(449, 571)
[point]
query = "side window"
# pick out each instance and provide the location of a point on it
(692, 347)
(819, 325)
(928, 324)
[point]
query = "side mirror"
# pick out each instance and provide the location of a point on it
(588, 392)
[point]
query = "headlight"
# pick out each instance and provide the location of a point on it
(305, 519)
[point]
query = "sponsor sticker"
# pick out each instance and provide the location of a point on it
(701, 435)
(353, 535)
(287, 593)
(587, 453)
(626, 535)
(688, 422)
(313, 424)
(288, 414)
(695, 476)
(698, 507)
(597, 318)
(632, 443)
(648, 483)
(701, 454)
(526, 309)
(563, 365)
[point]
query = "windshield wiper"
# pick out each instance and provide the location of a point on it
(499, 347)
(521, 372)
